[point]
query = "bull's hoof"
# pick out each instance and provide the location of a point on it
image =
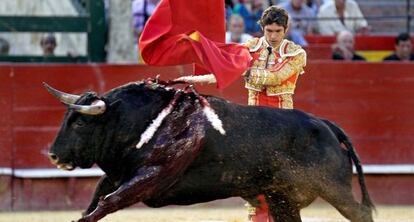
(85, 219)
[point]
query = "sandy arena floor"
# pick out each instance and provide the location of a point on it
(315, 213)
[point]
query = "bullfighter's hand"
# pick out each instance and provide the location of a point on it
(263, 77)
(247, 75)
(256, 77)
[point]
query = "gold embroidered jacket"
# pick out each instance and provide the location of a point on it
(276, 72)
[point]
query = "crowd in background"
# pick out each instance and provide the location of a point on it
(340, 18)
(325, 17)
(308, 17)
(29, 43)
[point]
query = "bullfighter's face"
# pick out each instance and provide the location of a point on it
(274, 34)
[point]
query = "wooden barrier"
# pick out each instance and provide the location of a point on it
(372, 102)
(373, 48)
(319, 52)
(362, 42)
(30, 118)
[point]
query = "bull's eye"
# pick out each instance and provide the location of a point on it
(78, 124)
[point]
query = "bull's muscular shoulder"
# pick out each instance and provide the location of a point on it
(253, 44)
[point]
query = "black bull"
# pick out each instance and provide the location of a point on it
(289, 156)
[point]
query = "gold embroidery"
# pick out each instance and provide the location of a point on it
(287, 101)
(258, 64)
(273, 78)
(291, 67)
(264, 77)
(253, 98)
(252, 86)
(287, 87)
(272, 59)
(292, 47)
(251, 43)
(263, 55)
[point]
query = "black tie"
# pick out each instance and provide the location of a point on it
(269, 49)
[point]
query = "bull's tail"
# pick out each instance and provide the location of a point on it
(343, 138)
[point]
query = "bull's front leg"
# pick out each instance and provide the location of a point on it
(103, 188)
(146, 181)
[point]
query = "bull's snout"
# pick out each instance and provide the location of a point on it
(53, 158)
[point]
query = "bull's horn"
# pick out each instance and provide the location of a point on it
(96, 108)
(65, 98)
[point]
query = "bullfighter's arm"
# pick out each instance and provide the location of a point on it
(103, 188)
(279, 73)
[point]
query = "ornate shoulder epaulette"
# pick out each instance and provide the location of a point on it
(289, 49)
(254, 44)
(292, 48)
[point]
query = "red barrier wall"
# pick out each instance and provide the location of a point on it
(320, 46)
(6, 151)
(362, 42)
(372, 102)
(30, 118)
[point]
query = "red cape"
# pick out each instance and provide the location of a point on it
(166, 39)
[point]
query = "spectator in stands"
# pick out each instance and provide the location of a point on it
(338, 15)
(403, 49)
(314, 5)
(141, 11)
(4, 46)
(344, 49)
(229, 5)
(251, 11)
(301, 20)
(236, 30)
(48, 44)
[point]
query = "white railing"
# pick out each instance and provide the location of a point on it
(96, 172)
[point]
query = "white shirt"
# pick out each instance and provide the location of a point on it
(138, 12)
(334, 26)
(243, 38)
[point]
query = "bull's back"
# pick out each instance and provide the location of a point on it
(263, 142)
(264, 148)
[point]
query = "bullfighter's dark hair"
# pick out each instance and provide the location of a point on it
(274, 14)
